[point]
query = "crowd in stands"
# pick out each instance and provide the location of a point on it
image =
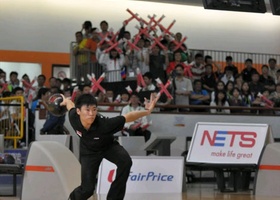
(198, 82)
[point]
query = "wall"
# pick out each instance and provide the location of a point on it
(40, 31)
(49, 26)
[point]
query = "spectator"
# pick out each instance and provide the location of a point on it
(29, 93)
(259, 102)
(238, 81)
(81, 58)
(266, 80)
(66, 84)
(52, 82)
(248, 71)
(58, 82)
(41, 80)
(199, 96)
(141, 57)
(228, 88)
(87, 25)
(235, 100)
(228, 76)
(104, 29)
(13, 82)
(91, 46)
(278, 76)
(273, 68)
(246, 95)
(197, 67)
(42, 96)
(220, 100)
(139, 126)
(183, 88)
(170, 71)
(148, 79)
(158, 63)
(209, 80)
(3, 75)
(220, 86)
(54, 125)
(256, 86)
(229, 64)
(112, 63)
(209, 60)
(16, 118)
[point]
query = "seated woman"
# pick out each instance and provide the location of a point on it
(220, 100)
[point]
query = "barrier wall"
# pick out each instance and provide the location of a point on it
(181, 126)
(268, 177)
(51, 172)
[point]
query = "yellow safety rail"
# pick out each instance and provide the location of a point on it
(12, 117)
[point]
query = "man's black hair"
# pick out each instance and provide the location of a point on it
(13, 73)
(272, 59)
(207, 57)
(228, 58)
(87, 24)
(149, 75)
(249, 60)
(85, 100)
(43, 76)
(17, 89)
(198, 55)
(104, 22)
(41, 92)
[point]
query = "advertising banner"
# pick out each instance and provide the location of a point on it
(228, 143)
(153, 174)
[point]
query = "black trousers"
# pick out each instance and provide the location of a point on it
(90, 165)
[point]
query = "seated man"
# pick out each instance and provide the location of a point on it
(138, 127)
(53, 124)
(199, 96)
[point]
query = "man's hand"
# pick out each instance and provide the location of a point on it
(150, 104)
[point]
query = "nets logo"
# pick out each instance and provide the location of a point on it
(221, 138)
(150, 176)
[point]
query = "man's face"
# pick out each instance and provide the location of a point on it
(104, 27)
(87, 113)
(86, 90)
(79, 37)
(41, 81)
(147, 80)
(134, 100)
(248, 64)
(199, 60)
(19, 93)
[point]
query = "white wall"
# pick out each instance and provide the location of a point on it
(49, 25)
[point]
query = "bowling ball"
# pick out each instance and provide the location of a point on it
(2, 159)
(54, 106)
(9, 159)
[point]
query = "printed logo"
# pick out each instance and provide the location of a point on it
(245, 139)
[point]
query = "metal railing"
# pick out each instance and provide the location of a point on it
(12, 118)
(239, 58)
(81, 65)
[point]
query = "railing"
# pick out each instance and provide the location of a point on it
(81, 65)
(239, 58)
(188, 109)
(12, 118)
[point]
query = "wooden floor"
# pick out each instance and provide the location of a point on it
(194, 191)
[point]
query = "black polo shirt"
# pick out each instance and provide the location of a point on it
(100, 135)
